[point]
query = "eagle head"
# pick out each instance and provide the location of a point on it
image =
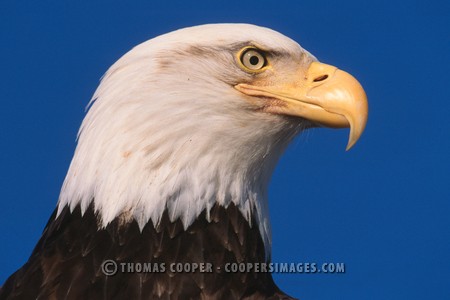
(200, 116)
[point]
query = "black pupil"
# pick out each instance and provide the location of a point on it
(254, 60)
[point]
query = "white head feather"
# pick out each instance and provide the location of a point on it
(167, 130)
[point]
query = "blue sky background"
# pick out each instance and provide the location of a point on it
(382, 208)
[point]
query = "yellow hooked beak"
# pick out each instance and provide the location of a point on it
(326, 96)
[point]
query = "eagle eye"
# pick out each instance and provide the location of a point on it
(253, 59)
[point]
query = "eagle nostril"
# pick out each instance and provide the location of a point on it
(320, 78)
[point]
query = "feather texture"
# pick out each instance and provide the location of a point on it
(66, 263)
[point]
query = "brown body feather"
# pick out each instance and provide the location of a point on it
(66, 263)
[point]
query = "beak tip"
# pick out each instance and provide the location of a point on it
(350, 144)
(355, 134)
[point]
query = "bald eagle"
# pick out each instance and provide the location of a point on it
(172, 166)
